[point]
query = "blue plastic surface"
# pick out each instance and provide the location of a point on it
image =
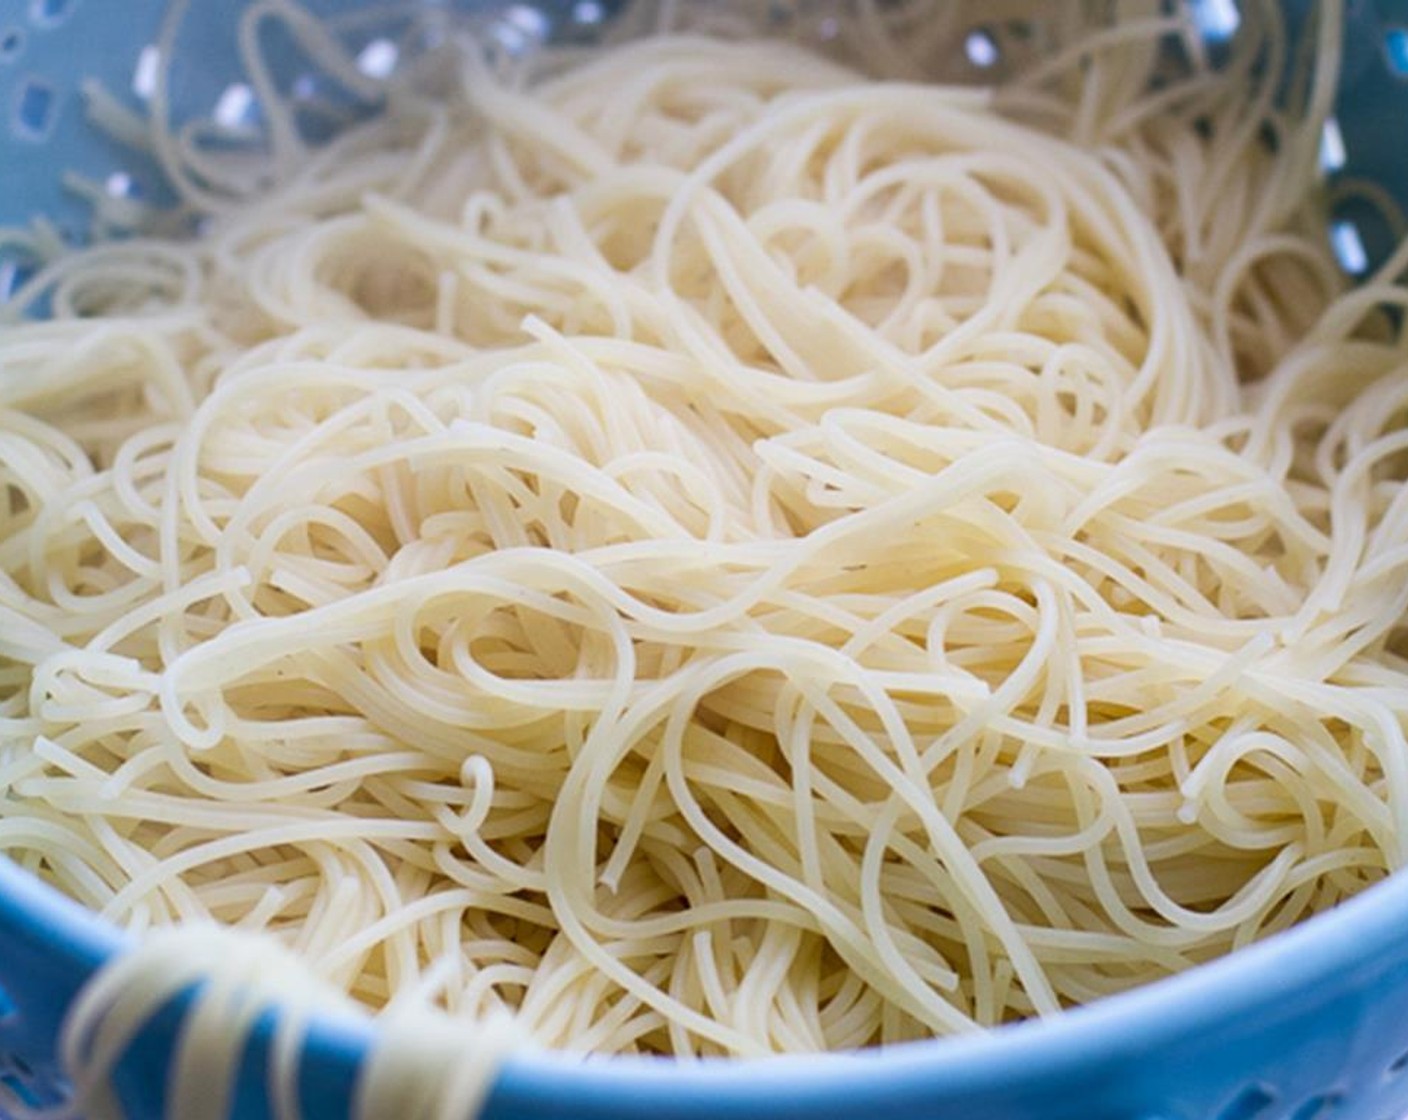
(1310, 1024)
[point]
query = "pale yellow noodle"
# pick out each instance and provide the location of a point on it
(690, 549)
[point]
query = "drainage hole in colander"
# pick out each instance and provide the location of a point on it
(1249, 1103)
(1361, 236)
(1396, 48)
(1320, 1107)
(981, 48)
(1396, 1067)
(36, 105)
(14, 271)
(50, 13)
(11, 43)
(1347, 241)
(588, 13)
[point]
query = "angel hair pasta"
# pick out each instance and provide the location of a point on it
(716, 544)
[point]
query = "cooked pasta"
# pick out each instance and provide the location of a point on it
(721, 546)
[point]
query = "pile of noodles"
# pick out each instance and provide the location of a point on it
(690, 549)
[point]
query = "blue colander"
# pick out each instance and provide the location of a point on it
(1311, 1024)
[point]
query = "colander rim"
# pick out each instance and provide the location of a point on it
(1253, 980)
